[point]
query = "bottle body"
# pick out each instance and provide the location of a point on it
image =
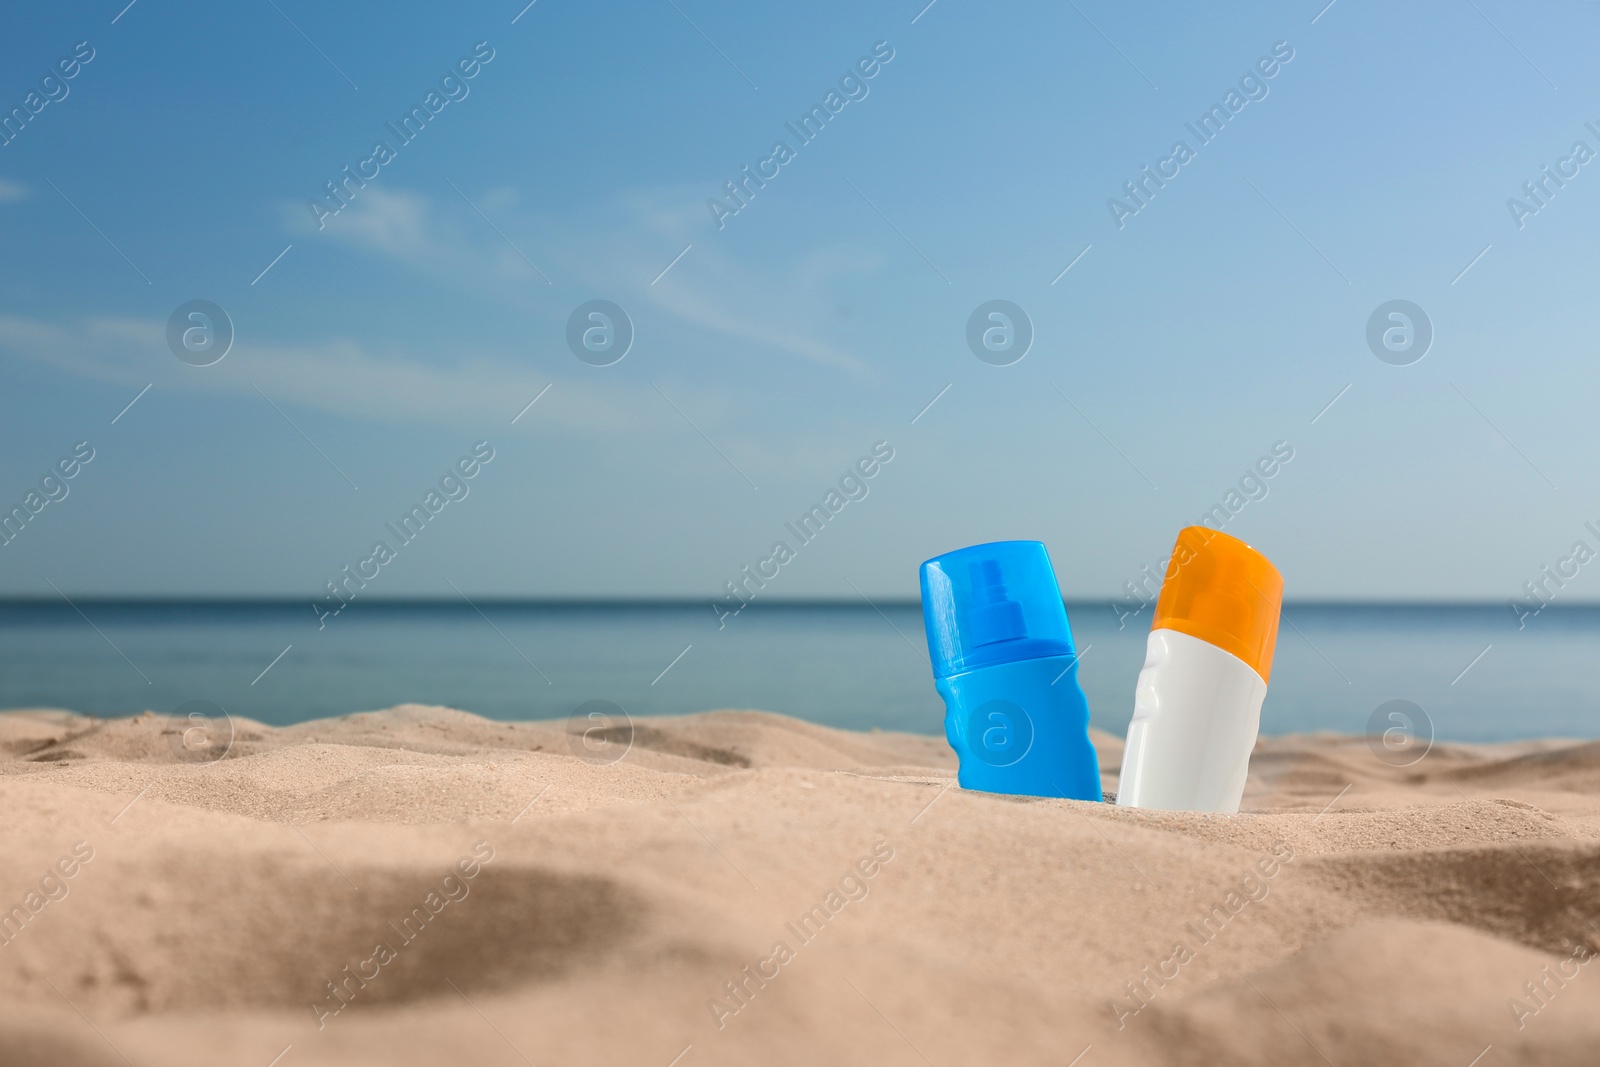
(1196, 714)
(1023, 728)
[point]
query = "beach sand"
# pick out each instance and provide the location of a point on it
(740, 887)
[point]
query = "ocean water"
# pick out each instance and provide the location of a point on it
(1473, 673)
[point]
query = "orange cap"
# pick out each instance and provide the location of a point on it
(1224, 592)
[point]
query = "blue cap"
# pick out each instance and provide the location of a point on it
(990, 604)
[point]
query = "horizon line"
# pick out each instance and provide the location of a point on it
(446, 600)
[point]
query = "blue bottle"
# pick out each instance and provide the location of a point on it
(1005, 664)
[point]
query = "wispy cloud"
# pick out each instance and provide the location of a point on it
(411, 387)
(760, 308)
(395, 223)
(339, 376)
(10, 191)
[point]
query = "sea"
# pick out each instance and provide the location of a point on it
(1472, 672)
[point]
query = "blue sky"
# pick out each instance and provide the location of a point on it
(823, 317)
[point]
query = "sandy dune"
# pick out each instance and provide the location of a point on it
(424, 886)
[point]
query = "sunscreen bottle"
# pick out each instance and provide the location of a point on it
(1197, 707)
(1004, 662)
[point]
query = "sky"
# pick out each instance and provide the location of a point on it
(1181, 339)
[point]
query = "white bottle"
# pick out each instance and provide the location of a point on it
(1197, 707)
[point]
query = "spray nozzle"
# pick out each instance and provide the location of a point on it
(993, 616)
(991, 604)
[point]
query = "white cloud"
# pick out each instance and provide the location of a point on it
(479, 394)
(392, 222)
(339, 376)
(711, 311)
(751, 308)
(10, 191)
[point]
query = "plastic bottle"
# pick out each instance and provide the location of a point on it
(1004, 662)
(1197, 707)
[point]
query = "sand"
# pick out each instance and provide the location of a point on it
(421, 885)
